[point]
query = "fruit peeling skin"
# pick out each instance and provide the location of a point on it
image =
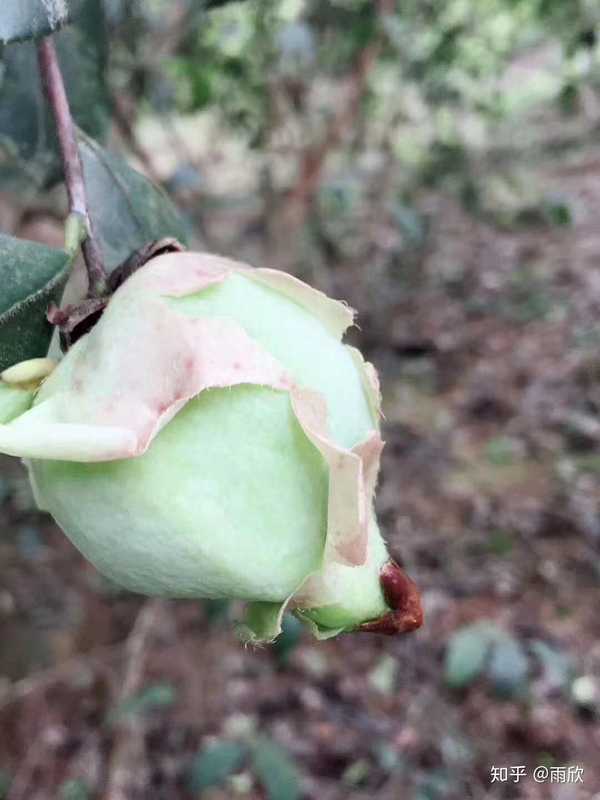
(211, 436)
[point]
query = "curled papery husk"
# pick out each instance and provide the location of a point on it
(185, 337)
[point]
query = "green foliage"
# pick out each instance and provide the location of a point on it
(434, 785)
(467, 653)
(485, 649)
(528, 297)
(557, 667)
(214, 764)
(5, 781)
(160, 695)
(225, 63)
(127, 209)
(276, 771)
(218, 3)
(288, 640)
(29, 157)
(436, 92)
(74, 790)
(32, 276)
(357, 773)
(500, 543)
(30, 19)
(508, 667)
(410, 222)
(502, 451)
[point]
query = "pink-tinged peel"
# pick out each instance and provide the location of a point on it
(370, 381)
(188, 326)
(133, 385)
(347, 528)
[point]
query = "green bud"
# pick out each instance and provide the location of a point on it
(212, 436)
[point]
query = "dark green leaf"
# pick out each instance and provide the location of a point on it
(30, 19)
(557, 212)
(28, 145)
(467, 653)
(127, 209)
(276, 771)
(213, 765)
(31, 276)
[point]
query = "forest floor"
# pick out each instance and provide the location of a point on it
(487, 340)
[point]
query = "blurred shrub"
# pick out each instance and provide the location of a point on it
(276, 771)
(213, 765)
(467, 653)
(510, 668)
(74, 790)
(217, 764)
(271, 69)
(486, 649)
(160, 695)
(288, 640)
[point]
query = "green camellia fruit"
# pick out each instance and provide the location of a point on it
(212, 436)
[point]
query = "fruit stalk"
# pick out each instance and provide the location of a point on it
(56, 96)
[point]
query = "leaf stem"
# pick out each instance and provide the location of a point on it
(56, 95)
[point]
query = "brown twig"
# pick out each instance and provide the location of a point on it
(128, 747)
(36, 755)
(56, 95)
(62, 673)
(313, 160)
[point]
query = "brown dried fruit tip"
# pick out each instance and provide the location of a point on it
(402, 596)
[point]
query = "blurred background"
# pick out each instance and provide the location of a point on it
(436, 163)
